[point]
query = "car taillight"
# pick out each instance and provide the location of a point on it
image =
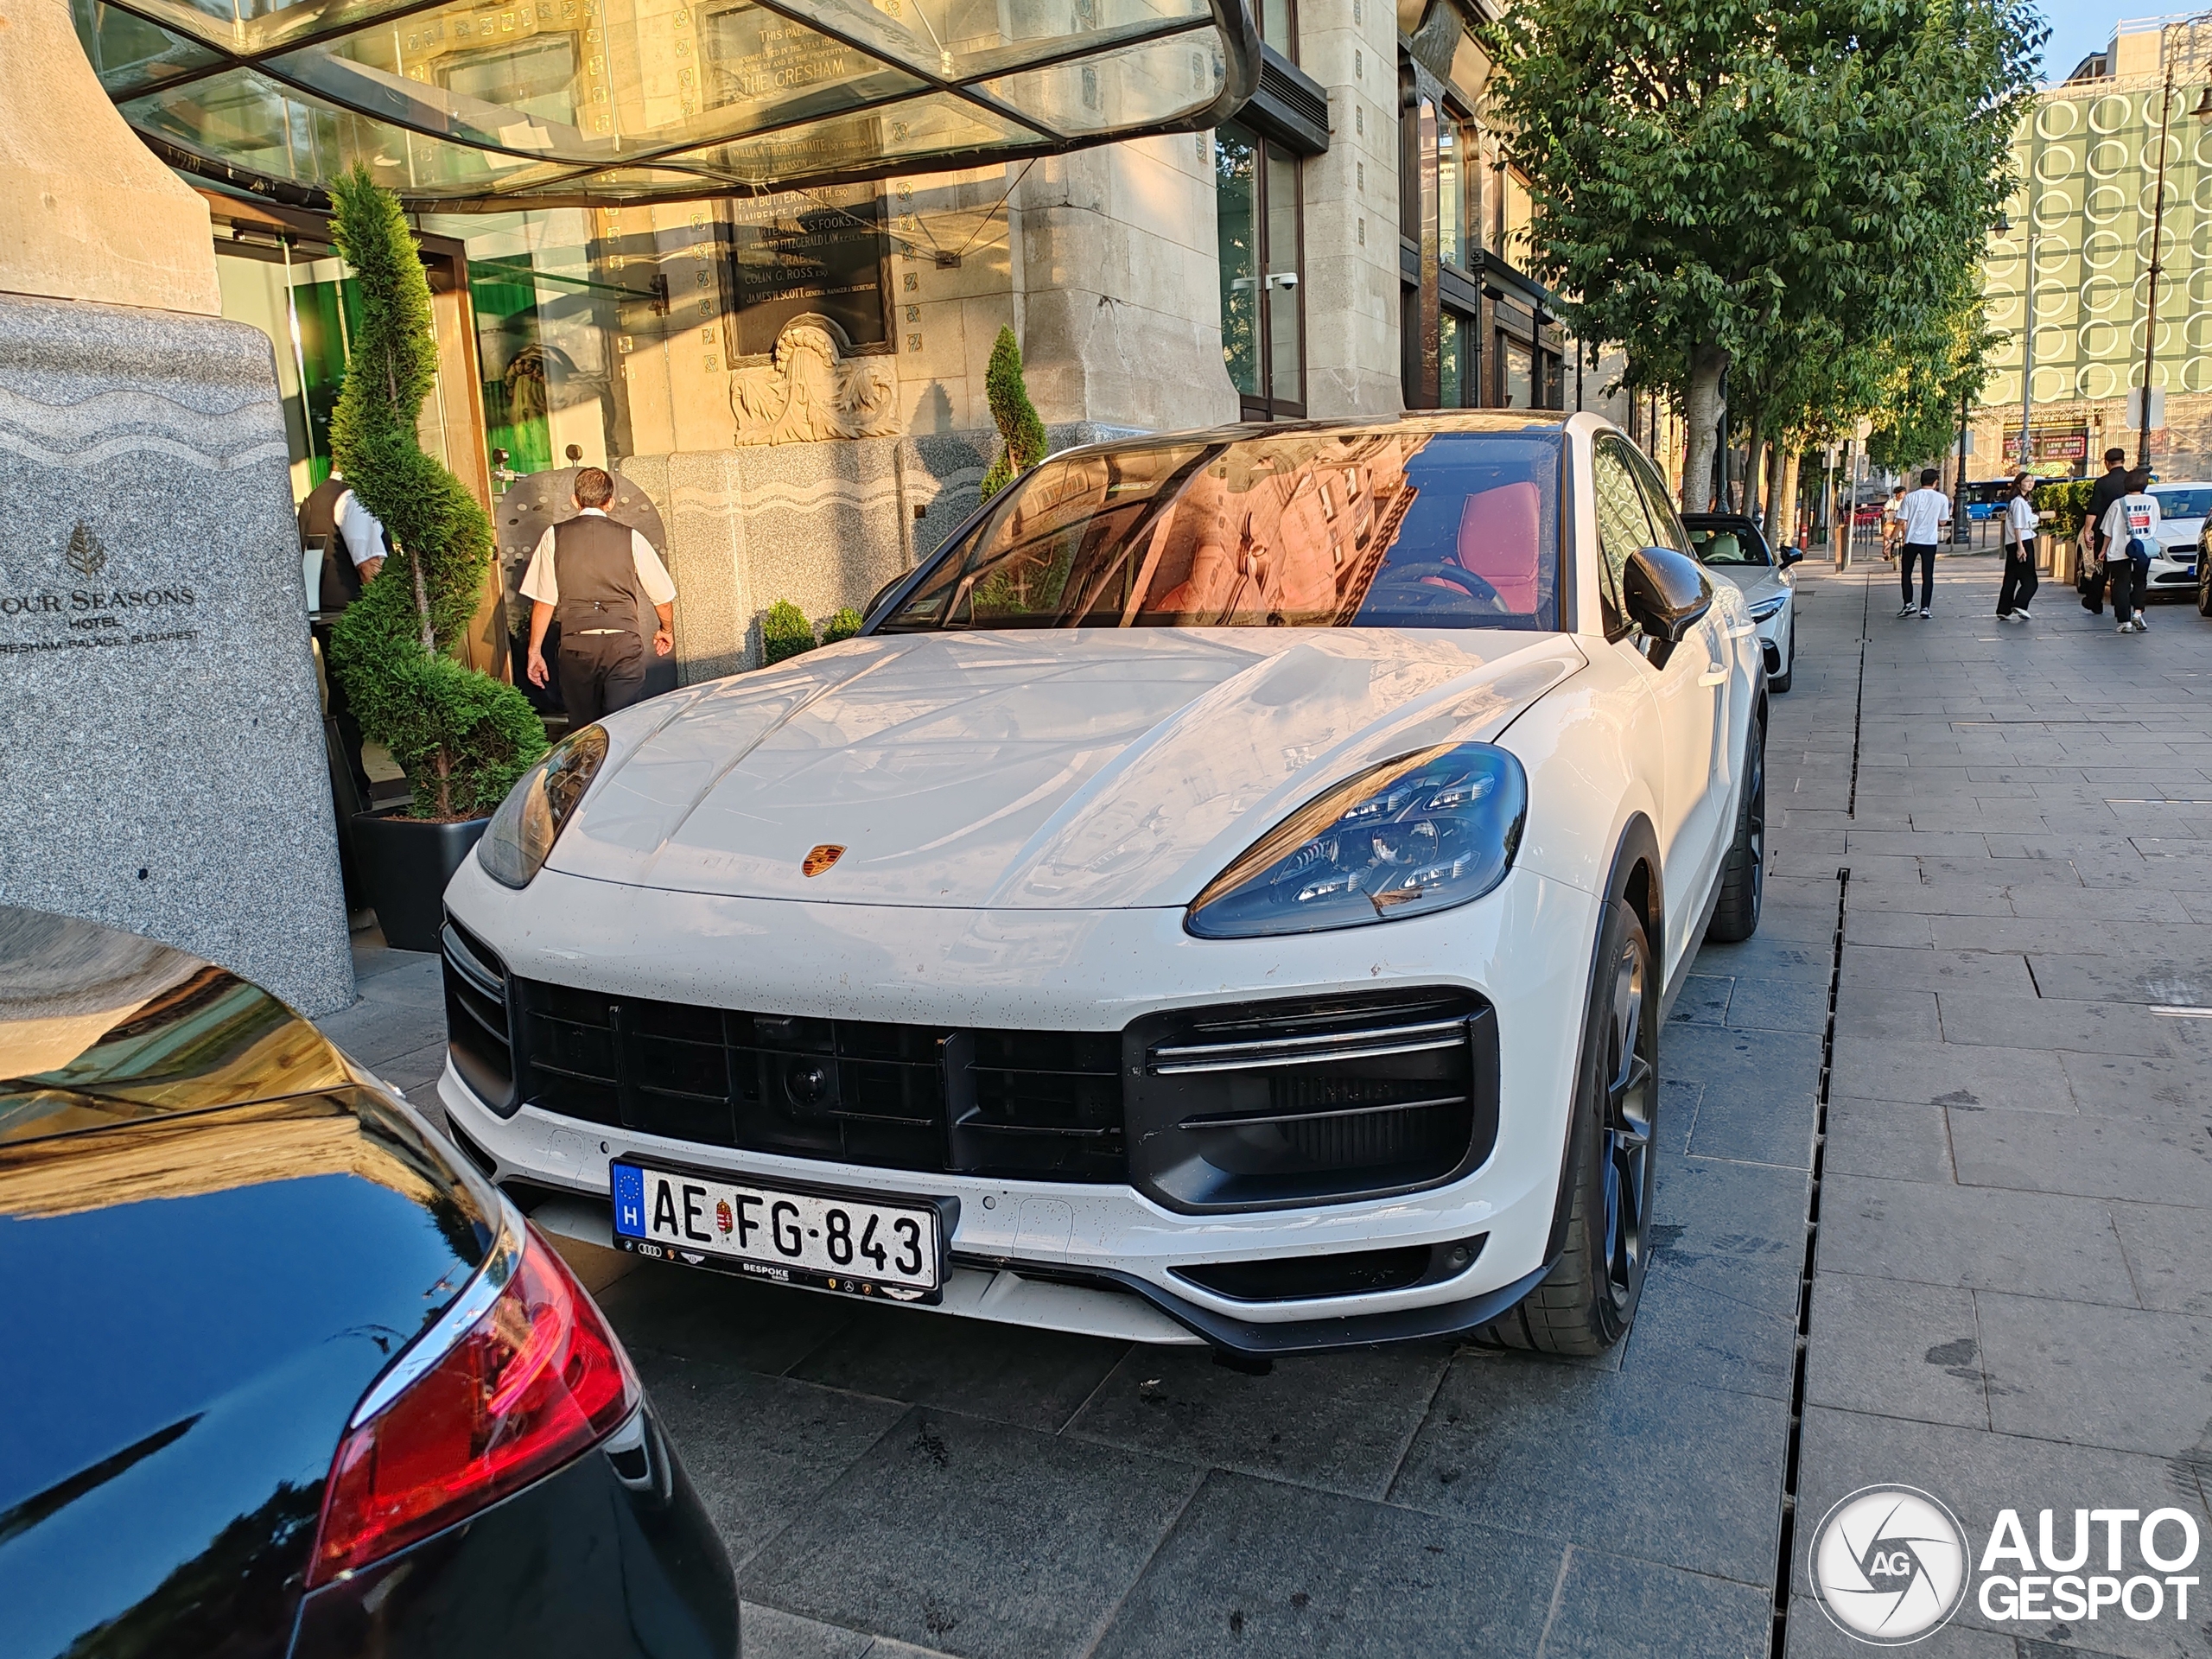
(534, 1381)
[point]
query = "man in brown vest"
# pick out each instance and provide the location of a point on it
(599, 579)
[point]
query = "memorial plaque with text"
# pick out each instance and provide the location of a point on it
(825, 253)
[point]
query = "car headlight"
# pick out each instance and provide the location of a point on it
(1761, 609)
(520, 837)
(1420, 833)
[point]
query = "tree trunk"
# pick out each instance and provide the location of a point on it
(1701, 411)
(1754, 465)
(1788, 493)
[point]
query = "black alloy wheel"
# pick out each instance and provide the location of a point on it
(1631, 1108)
(1743, 870)
(1588, 1301)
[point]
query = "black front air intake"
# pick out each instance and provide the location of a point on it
(1313, 1101)
(478, 1035)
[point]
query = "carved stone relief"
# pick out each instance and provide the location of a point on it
(813, 391)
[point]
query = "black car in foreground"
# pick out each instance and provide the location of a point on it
(279, 1374)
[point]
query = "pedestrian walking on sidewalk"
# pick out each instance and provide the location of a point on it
(1923, 514)
(1892, 524)
(2131, 526)
(2107, 490)
(2020, 584)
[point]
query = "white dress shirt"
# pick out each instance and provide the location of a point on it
(540, 582)
(358, 529)
(2021, 518)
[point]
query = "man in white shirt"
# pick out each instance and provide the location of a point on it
(2131, 520)
(598, 578)
(1923, 514)
(354, 550)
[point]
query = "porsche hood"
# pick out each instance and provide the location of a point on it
(1060, 771)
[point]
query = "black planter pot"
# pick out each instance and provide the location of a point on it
(405, 864)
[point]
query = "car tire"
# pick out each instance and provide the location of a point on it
(1588, 1301)
(1779, 682)
(1743, 872)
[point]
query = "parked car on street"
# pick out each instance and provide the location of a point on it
(2183, 510)
(1230, 893)
(282, 1376)
(1732, 547)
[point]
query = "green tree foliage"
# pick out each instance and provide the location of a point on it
(1721, 179)
(784, 632)
(1021, 430)
(461, 737)
(1926, 376)
(844, 625)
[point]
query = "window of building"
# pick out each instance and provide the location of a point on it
(1279, 25)
(1517, 373)
(1516, 211)
(1555, 380)
(1456, 387)
(1457, 167)
(1256, 203)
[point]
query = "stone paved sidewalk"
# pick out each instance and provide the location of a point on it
(2013, 1302)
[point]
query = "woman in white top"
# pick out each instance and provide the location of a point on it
(2131, 522)
(2019, 584)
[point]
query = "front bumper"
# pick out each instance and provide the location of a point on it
(1098, 1258)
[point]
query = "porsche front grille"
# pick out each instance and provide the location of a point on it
(1027, 1105)
(1256, 1106)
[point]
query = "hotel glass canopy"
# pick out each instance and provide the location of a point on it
(461, 104)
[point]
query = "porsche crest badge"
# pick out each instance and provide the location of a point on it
(820, 860)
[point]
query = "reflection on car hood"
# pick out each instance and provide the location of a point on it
(195, 1301)
(99, 1025)
(1032, 770)
(1754, 582)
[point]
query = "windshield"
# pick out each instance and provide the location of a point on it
(2184, 501)
(1374, 528)
(1725, 545)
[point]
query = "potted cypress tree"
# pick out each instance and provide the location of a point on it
(462, 736)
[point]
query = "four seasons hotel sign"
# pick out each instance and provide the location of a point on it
(87, 609)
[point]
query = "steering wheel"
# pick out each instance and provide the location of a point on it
(1438, 585)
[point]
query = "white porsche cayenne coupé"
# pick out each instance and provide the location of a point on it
(1231, 893)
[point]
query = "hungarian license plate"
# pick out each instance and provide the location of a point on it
(822, 1238)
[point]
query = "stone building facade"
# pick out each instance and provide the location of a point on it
(796, 380)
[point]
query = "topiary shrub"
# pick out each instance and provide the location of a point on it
(1020, 427)
(784, 632)
(461, 737)
(844, 626)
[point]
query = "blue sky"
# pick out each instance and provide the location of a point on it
(2080, 27)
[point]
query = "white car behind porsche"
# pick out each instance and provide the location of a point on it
(1230, 893)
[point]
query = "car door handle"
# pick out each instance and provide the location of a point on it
(1715, 673)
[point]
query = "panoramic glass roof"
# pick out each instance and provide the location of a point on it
(455, 104)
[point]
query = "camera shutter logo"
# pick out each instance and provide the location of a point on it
(1889, 1563)
(83, 554)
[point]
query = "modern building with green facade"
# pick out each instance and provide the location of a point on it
(2070, 279)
